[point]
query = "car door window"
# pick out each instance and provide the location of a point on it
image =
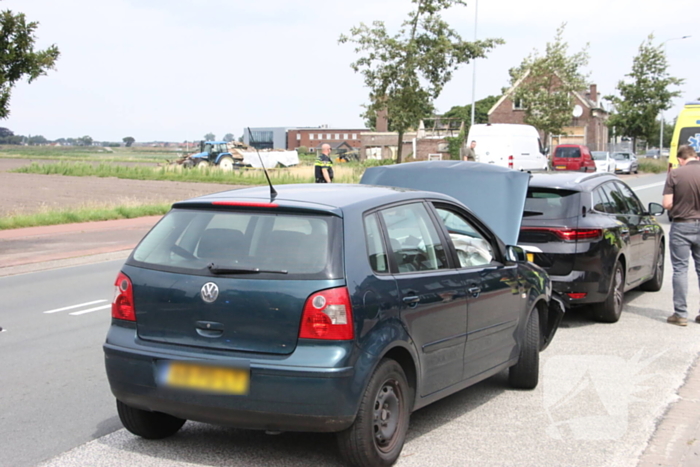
(471, 247)
(375, 245)
(413, 238)
(631, 200)
(601, 203)
(617, 200)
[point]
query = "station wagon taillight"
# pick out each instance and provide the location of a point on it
(510, 162)
(569, 234)
(123, 303)
(327, 315)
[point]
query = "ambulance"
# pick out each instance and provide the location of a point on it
(687, 131)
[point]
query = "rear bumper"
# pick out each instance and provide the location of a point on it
(283, 396)
(587, 282)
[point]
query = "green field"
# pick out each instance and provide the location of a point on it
(90, 153)
(303, 174)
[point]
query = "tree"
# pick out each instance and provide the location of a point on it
(128, 141)
(481, 111)
(644, 95)
(229, 137)
(209, 137)
(18, 59)
(407, 71)
(36, 140)
(546, 84)
(84, 141)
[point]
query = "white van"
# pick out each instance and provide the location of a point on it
(508, 145)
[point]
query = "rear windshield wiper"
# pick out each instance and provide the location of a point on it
(226, 270)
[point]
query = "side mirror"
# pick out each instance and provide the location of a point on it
(655, 209)
(515, 254)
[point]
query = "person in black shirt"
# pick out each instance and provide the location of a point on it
(323, 168)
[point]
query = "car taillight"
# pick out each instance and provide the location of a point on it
(327, 315)
(577, 295)
(569, 234)
(123, 303)
(510, 162)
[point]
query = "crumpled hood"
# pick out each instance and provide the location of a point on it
(495, 194)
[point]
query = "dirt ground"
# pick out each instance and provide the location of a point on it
(31, 193)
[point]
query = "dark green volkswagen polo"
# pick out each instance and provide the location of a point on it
(328, 308)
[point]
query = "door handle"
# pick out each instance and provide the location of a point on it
(474, 291)
(411, 299)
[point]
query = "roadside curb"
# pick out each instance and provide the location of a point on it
(676, 440)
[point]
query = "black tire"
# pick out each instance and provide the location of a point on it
(149, 425)
(611, 309)
(379, 431)
(525, 374)
(654, 284)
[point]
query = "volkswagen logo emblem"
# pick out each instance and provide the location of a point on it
(209, 292)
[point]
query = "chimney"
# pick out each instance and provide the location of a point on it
(382, 124)
(594, 94)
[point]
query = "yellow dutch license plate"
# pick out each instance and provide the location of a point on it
(531, 257)
(207, 378)
(560, 167)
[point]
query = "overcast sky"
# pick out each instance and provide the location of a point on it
(174, 70)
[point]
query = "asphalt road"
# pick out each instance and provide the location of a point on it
(53, 392)
(602, 390)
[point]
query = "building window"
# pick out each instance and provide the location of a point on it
(337, 136)
(298, 136)
(354, 136)
(518, 104)
(345, 136)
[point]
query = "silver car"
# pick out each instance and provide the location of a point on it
(625, 162)
(603, 161)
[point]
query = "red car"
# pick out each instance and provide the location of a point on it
(573, 157)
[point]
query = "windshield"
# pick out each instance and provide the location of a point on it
(191, 240)
(621, 156)
(599, 155)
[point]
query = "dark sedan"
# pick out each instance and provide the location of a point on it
(325, 308)
(594, 238)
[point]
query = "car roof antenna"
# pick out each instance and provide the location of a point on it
(273, 192)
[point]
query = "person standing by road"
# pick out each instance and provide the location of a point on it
(682, 199)
(470, 153)
(323, 168)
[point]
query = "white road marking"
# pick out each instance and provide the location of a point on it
(651, 185)
(90, 310)
(73, 306)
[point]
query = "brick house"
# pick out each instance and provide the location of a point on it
(587, 123)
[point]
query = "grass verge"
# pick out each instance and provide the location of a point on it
(85, 214)
(656, 166)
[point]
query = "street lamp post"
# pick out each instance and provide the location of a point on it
(661, 114)
(476, 12)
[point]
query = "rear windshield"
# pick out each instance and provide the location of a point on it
(621, 156)
(278, 245)
(599, 155)
(567, 152)
(546, 203)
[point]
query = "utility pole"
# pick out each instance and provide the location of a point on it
(476, 13)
